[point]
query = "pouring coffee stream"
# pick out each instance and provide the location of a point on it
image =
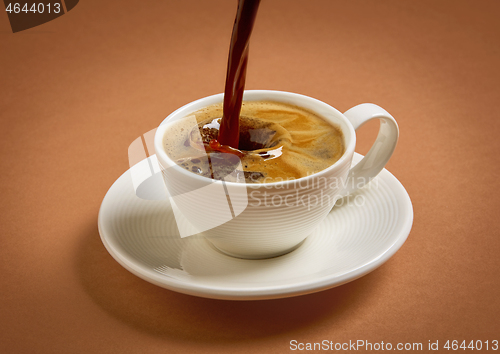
(244, 140)
(228, 134)
(224, 135)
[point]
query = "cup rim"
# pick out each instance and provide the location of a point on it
(250, 95)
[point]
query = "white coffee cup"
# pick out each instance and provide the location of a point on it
(261, 220)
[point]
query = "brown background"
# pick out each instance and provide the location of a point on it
(75, 92)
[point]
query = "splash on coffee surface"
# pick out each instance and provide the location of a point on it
(277, 142)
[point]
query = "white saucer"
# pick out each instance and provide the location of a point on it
(355, 238)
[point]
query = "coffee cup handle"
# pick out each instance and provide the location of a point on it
(381, 150)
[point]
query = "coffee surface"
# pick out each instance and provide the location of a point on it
(277, 142)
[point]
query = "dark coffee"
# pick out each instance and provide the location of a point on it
(277, 142)
(236, 72)
(256, 142)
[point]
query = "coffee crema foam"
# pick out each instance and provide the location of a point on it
(278, 142)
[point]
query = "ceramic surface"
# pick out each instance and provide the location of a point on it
(353, 240)
(262, 220)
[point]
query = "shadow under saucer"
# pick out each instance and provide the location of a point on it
(176, 316)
